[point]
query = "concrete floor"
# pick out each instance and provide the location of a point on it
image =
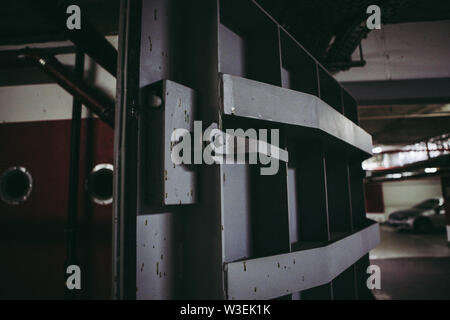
(406, 244)
(413, 266)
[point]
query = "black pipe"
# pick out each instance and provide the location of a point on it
(87, 38)
(92, 98)
(72, 210)
(96, 46)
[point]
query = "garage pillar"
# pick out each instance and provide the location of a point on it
(445, 183)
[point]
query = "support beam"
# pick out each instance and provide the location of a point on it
(72, 208)
(433, 90)
(406, 116)
(405, 131)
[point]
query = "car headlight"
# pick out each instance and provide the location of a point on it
(428, 213)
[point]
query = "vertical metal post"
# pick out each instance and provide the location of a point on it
(72, 210)
(125, 152)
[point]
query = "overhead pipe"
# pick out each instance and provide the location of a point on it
(91, 97)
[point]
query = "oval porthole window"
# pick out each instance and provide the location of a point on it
(99, 184)
(16, 184)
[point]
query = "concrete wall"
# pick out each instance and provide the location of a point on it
(404, 51)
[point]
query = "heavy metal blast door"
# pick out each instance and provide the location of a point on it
(225, 230)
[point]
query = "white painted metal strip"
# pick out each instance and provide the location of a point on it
(275, 276)
(252, 99)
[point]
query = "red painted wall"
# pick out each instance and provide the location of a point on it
(32, 240)
(374, 197)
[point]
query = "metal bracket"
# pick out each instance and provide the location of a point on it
(170, 106)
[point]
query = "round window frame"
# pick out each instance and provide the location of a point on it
(94, 198)
(15, 201)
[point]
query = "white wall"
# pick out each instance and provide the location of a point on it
(49, 101)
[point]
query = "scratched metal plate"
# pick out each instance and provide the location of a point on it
(167, 183)
(156, 257)
(179, 180)
(275, 276)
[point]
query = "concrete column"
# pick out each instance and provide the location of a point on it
(445, 183)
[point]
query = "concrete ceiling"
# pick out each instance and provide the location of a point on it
(404, 124)
(404, 89)
(331, 29)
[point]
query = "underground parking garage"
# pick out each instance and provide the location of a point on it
(225, 150)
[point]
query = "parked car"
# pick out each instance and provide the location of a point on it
(423, 217)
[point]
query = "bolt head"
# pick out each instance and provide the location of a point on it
(155, 101)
